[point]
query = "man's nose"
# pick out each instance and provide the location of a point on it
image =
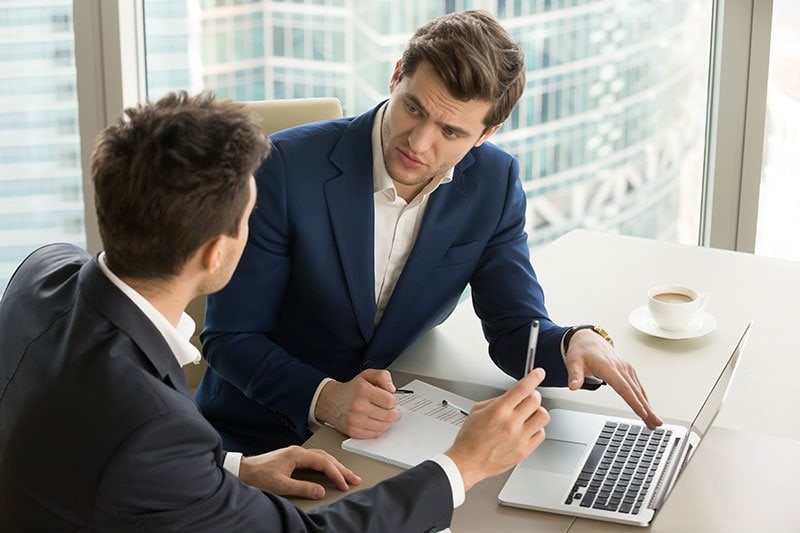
(421, 138)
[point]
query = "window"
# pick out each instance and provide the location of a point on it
(779, 198)
(609, 134)
(40, 169)
(606, 134)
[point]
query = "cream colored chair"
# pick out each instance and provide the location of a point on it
(272, 116)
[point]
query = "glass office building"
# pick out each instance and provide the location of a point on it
(41, 197)
(609, 132)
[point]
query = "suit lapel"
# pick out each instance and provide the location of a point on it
(124, 314)
(444, 215)
(351, 208)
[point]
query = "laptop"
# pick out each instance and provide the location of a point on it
(610, 468)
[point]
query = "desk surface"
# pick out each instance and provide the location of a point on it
(721, 490)
(599, 278)
(480, 509)
(592, 277)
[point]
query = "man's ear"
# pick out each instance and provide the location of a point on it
(395, 79)
(488, 133)
(210, 254)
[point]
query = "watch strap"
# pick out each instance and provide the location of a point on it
(597, 329)
(589, 382)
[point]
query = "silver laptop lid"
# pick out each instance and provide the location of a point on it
(708, 412)
(705, 417)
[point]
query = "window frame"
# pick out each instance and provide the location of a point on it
(109, 60)
(737, 105)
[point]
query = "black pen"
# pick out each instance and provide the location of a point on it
(454, 406)
(532, 340)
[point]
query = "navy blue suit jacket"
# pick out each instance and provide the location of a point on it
(98, 431)
(301, 305)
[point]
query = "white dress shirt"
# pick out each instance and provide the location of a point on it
(177, 339)
(397, 222)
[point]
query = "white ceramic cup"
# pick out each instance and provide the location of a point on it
(673, 307)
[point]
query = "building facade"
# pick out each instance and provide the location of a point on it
(609, 132)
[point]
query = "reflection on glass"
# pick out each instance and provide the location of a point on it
(609, 133)
(779, 197)
(41, 199)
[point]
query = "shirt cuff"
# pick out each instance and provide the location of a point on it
(453, 476)
(313, 423)
(232, 462)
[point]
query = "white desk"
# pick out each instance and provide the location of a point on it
(599, 278)
(744, 476)
(723, 490)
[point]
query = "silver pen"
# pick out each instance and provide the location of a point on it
(454, 406)
(532, 340)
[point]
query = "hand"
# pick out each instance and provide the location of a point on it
(272, 472)
(363, 408)
(590, 354)
(501, 432)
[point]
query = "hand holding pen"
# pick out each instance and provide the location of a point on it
(500, 432)
(364, 407)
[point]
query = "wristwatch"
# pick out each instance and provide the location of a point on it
(589, 382)
(597, 329)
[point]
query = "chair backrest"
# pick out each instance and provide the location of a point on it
(276, 115)
(272, 116)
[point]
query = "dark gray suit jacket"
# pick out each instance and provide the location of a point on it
(98, 430)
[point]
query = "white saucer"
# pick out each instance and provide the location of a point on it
(702, 324)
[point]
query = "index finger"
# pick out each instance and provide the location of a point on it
(633, 394)
(324, 462)
(524, 387)
(381, 398)
(379, 378)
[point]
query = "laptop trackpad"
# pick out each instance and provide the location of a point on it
(558, 456)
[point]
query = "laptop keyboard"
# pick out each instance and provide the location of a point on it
(620, 469)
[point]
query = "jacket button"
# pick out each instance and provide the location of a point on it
(366, 364)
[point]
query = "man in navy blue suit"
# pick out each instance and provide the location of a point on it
(372, 227)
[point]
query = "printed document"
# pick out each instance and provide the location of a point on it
(428, 427)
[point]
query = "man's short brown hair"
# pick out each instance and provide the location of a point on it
(168, 177)
(475, 58)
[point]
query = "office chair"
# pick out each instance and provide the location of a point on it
(272, 116)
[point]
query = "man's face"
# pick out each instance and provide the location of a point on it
(426, 131)
(233, 246)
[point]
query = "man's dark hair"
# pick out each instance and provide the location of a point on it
(169, 176)
(475, 58)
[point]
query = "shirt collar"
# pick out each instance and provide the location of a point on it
(381, 181)
(177, 338)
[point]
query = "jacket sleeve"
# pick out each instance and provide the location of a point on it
(507, 295)
(240, 316)
(165, 477)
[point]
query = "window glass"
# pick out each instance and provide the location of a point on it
(41, 198)
(609, 133)
(779, 197)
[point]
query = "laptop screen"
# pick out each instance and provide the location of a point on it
(705, 417)
(708, 412)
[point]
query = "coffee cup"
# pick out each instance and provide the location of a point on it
(673, 307)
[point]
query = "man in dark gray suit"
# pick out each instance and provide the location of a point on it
(97, 427)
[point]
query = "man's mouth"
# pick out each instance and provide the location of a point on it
(409, 160)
